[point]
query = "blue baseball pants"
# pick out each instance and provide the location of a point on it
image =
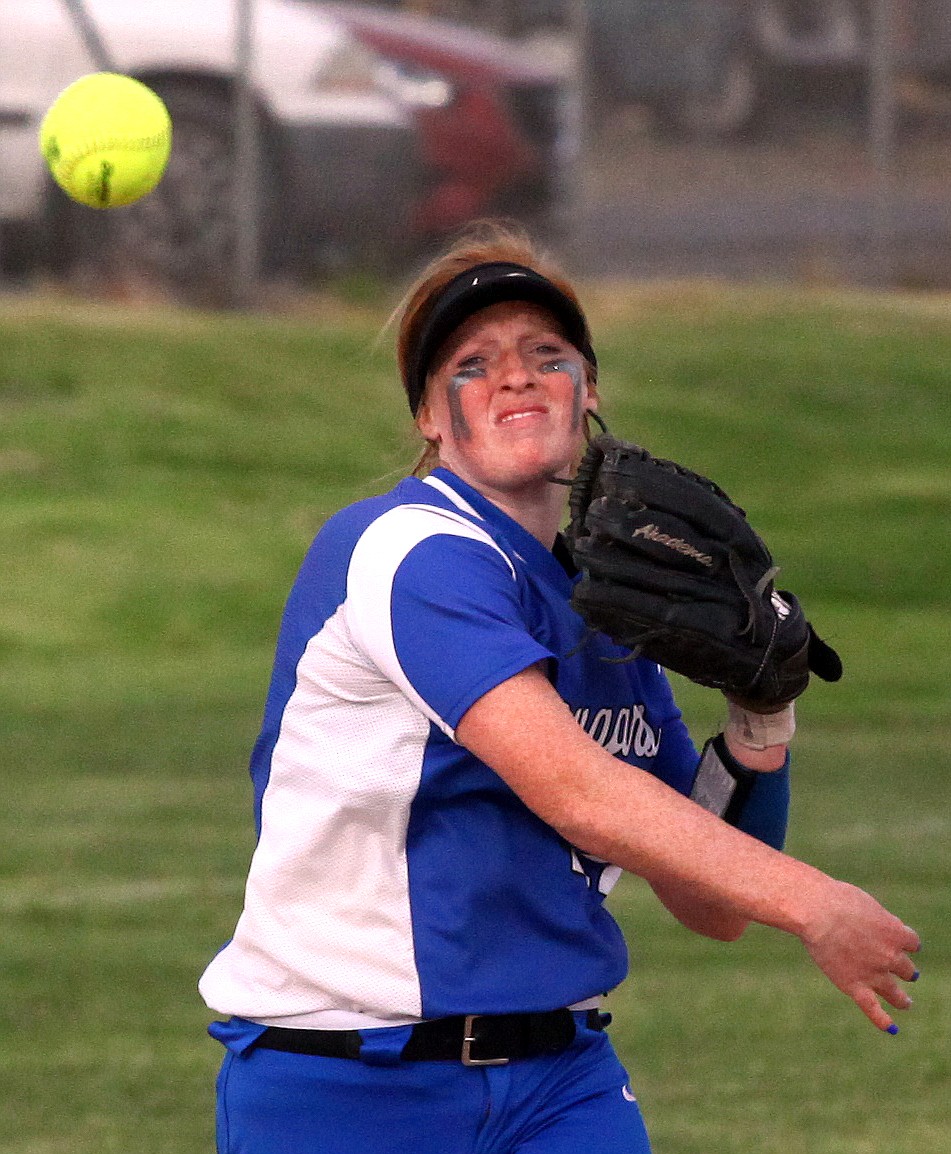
(272, 1102)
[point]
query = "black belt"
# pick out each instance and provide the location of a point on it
(473, 1039)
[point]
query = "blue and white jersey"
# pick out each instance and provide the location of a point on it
(396, 877)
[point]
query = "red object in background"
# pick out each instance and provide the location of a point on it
(478, 151)
(474, 152)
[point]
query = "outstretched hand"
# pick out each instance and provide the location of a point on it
(864, 951)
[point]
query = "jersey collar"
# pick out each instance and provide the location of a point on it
(551, 563)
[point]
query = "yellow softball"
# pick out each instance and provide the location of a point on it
(106, 139)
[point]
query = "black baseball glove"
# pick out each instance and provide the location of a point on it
(672, 569)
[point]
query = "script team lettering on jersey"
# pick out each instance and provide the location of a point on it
(620, 731)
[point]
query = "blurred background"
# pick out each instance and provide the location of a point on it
(803, 140)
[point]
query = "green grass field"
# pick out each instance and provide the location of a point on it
(162, 474)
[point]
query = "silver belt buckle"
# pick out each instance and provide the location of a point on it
(468, 1039)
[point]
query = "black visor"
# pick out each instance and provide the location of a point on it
(477, 288)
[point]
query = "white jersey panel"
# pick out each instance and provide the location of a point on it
(326, 922)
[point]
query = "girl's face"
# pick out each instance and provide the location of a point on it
(506, 399)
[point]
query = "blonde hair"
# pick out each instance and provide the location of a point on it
(483, 242)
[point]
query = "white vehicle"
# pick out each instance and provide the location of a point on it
(337, 170)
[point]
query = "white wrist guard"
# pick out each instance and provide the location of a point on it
(722, 785)
(761, 730)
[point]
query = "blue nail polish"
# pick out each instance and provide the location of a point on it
(916, 975)
(892, 1029)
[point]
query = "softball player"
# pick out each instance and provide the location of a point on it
(450, 777)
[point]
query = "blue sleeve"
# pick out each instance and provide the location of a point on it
(458, 625)
(765, 813)
(760, 803)
(436, 606)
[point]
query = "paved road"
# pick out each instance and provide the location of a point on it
(803, 205)
(793, 236)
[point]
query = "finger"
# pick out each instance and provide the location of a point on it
(895, 995)
(870, 1006)
(906, 970)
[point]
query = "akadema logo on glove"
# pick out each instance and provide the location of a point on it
(678, 544)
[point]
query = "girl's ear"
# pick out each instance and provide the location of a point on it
(426, 424)
(593, 399)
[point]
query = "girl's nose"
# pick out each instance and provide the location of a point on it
(514, 372)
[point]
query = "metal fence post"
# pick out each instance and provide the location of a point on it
(883, 135)
(575, 129)
(246, 192)
(92, 38)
